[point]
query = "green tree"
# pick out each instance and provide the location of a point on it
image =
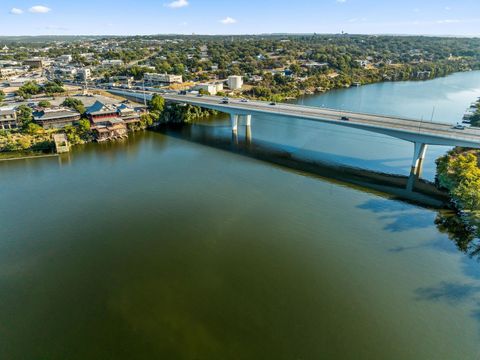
(32, 128)
(2, 96)
(156, 104)
(24, 115)
(28, 89)
(53, 87)
(74, 104)
(44, 104)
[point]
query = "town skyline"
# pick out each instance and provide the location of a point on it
(213, 17)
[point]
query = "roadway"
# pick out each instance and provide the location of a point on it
(433, 133)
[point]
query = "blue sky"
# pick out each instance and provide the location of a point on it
(61, 17)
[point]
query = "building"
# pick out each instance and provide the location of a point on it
(8, 118)
(235, 82)
(106, 63)
(122, 81)
(84, 74)
(65, 59)
(128, 114)
(212, 89)
(100, 113)
(10, 71)
(154, 78)
(67, 72)
(34, 63)
(56, 118)
(106, 122)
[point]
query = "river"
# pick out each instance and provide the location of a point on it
(182, 244)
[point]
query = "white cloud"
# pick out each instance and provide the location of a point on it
(448, 21)
(448, 8)
(177, 4)
(16, 11)
(341, 1)
(228, 20)
(39, 9)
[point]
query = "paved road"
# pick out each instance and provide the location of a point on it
(433, 133)
(371, 122)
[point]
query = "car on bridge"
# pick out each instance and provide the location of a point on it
(273, 103)
(459, 127)
(345, 118)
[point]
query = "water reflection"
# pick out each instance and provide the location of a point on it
(411, 189)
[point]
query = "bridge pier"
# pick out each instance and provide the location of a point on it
(234, 121)
(419, 152)
(248, 135)
(248, 120)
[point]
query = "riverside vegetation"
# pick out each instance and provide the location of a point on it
(31, 138)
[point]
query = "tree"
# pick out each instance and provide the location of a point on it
(24, 115)
(44, 104)
(53, 87)
(2, 96)
(156, 104)
(28, 89)
(74, 104)
(32, 128)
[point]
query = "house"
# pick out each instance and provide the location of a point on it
(34, 63)
(56, 118)
(8, 118)
(100, 113)
(106, 121)
(212, 89)
(106, 63)
(363, 63)
(128, 114)
(65, 59)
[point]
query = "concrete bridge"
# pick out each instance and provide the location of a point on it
(420, 133)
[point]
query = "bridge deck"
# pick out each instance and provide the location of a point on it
(371, 122)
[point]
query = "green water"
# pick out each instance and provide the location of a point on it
(162, 247)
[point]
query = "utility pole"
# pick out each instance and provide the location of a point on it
(144, 95)
(433, 113)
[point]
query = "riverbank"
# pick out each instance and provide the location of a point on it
(282, 88)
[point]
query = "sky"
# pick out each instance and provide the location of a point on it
(127, 17)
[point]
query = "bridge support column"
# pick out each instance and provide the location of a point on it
(248, 120)
(248, 135)
(419, 152)
(234, 120)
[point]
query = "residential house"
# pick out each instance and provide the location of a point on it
(56, 117)
(8, 118)
(106, 121)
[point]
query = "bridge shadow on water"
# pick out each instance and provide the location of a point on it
(409, 189)
(463, 233)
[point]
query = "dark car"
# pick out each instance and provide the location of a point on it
(183, 92)
(273, 103)
(344, 118)
(224, 101)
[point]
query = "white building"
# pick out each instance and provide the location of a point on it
(112, 62)
(84, 74)
(212, 89)
(65, 59)
(235, 82)
(162, 78)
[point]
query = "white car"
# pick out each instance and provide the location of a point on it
(459, 127)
